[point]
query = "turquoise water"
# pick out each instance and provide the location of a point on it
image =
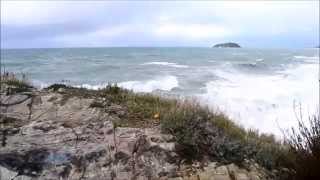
(257, 87)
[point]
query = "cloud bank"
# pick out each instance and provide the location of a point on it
(27, 24)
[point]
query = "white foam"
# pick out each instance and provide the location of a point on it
(165, 83)
(259, 60)
(94, 87)
(39, 84)
(306, 57)
(265, 102)
(213, 61)
(162, 63)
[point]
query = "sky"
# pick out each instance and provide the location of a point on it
(261, 24)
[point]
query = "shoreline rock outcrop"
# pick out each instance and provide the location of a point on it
(50, 136)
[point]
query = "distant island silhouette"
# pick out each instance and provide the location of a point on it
(227, 45)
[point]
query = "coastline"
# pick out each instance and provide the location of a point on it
(73, 132)
(236, 81)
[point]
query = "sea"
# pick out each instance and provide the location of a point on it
(264, 89)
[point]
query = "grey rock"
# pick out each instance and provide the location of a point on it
(61, 90)
(73, 141)
(254, 176)
(241, 176)
(7, 174)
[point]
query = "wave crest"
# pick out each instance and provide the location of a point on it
(268, 98)
(163, 63)
(164, 83)
(307, 59)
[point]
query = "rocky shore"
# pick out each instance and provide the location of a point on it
(68, 133)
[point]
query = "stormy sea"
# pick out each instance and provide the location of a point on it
(263, 89)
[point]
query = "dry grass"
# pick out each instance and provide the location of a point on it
(305, 145)
(142, 110)
(11, 83)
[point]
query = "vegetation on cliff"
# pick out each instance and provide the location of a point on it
(304, 143)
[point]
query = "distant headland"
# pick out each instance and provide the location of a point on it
(227, 45)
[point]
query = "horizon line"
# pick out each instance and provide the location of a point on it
(92, 47)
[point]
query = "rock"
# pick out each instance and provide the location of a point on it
(209, 170)
(222, 170)
(237, 173)
(228, 172)
(176, 178)
(233, 169)
(241, 176)
(206, 176)
(121, 156)
(14, 99)
(221, 173)
(227, 45)
(254, 176)
(7, 174)
(192, 177)
(61, 90)
(167, 146)
(116, 109)
(48, 140)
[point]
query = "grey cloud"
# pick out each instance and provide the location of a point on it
(71, 21)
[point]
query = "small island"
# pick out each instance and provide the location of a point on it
(227, 45)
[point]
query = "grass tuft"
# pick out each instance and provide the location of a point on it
(305, 145)
(11, 83)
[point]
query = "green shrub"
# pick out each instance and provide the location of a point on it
(113, 89)
(55, 87)
(203, 133)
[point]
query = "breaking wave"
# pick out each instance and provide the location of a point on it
(165, 83)
(166, 64)
(265, 101)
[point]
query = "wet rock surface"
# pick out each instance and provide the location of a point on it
(47, 139)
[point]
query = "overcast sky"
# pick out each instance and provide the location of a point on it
(29, 24)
